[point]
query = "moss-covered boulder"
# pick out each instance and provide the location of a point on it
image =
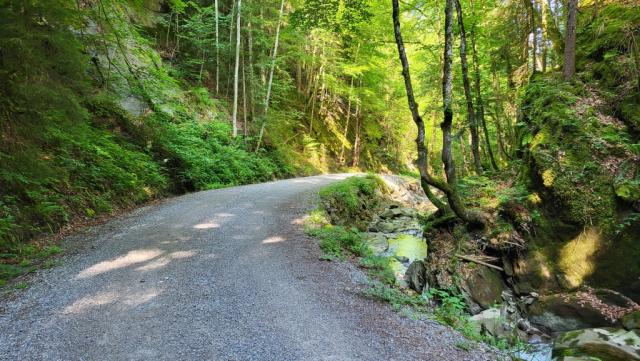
(606, 344)
(631, 321)
(483, 285)
(354, 201)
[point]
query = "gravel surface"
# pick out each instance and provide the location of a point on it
(218, 275)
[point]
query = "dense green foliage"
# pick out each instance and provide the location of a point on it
(71, 146)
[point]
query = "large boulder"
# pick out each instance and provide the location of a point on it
(606, 344)
(585, 309)
(483, 285)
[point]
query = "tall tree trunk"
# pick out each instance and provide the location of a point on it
(217, 14)
(341, 158)
(274, 55)
(245, 128)
(355, 161)
(534, 33)
(471, 116)
(234, 119)
(569, 69)
(479, 101)
(251, 79)
(427, 180)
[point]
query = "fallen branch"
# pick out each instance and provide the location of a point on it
(471, 259)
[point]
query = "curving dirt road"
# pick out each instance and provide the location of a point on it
(218, 275)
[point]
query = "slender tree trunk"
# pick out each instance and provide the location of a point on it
(251, 79)
(231, 14)
(471, 116)
(355, 161)
(463, 152)
(534, 33)
(217, 47)
(245, 128)
(274, 55)
(569, 69)
(236, 74)
(341, 158)
(479, 101)
(425, 177)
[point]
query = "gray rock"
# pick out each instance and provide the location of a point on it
(566, 312)
(607, 344)
(416, 276)
(485, 287)
(493, 322)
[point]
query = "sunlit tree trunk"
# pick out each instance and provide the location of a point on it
(426, 178)
(569, 69)
(234, 119)
(217, 15)
(341, 158)
(471, 116)
(534, 33)
(274, 55)
(355, 161)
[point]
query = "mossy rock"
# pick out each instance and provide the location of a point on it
(484, 285)
(628, 190)
(631, 321)
(567, 311)
(607, 344)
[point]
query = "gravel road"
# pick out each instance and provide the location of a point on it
(218, 275)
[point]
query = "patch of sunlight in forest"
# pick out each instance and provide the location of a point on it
(576, 257)
(274, 239)
(548, 176)
(131, 258)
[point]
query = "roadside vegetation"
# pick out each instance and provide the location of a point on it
(346, 242)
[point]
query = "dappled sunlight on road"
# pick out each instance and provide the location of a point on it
(274, 239)
(131, 258)
(107, 298)
(208, 225)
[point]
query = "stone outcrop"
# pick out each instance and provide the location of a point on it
(605, 344)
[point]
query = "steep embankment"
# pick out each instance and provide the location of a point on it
(562, 244)
(93, 120)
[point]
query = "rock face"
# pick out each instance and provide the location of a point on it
(584, 309)
(396, 219)
(484, 285)
(416, 276)
(605, 344)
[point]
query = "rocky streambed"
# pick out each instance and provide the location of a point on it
(584, 324)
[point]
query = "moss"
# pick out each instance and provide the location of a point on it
(352, 202)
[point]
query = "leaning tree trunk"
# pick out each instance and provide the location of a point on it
(471, 116)
(236, 76)
(274, 54)
(426, 178)
(569, 69)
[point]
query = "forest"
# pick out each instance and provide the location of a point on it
(519, 119)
